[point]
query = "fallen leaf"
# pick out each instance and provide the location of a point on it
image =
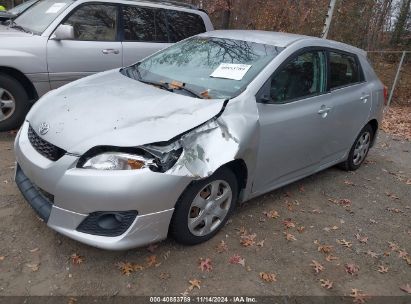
(268, 277)
(326, 284)
(72, 301)
(289, 237)
(166, 255)
(372, 254)
(330, 258)
(317, 266)
(359, 297)
(164, 276)
(288, 224)
(301, 229)
(392, 195)
(2, 257)
(408, 260)
(325, 248)
(402, 254)
(351, 268)
(382, 269)
(248, 240)
(205, 264)
(222, 247)
(34, 250)
(393, 246)
(152, 261)
(406, 288)
(237, 259)
(33, 267)
(76, 259)
(361, 239)
(271, 214)
(345, 243)
(126, 268)
(261, 243)
(302, 189)
(194, 284)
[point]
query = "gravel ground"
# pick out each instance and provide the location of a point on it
(364, 210)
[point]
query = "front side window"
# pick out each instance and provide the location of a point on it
(222, 68)
(302, 77)
(95, 22)
(344, 70)
(182, 25)
(38, 17)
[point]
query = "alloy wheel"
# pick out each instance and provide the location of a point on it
(209, 208)
(7, 104)
(361, 148)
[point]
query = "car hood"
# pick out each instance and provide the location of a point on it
(6, 31)
(110, 109)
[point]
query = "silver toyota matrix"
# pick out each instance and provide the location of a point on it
(171, 144)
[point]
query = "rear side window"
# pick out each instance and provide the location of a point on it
(344, 70)
(146, 24)
(138, 24)
(182, 25)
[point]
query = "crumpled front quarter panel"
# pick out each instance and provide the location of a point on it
(231, 136)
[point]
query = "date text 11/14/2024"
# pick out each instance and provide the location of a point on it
(203, 299)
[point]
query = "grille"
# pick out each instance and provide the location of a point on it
(45, 148)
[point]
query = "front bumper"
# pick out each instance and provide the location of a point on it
(79, 192)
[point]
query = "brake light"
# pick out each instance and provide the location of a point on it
(385, 95)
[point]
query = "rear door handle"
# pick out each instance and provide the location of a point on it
(110, 51)
(324, 110)
(365, 98)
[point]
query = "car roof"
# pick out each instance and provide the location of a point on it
(278, 39)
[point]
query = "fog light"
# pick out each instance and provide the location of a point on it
(102, 223)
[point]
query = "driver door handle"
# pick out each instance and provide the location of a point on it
(110, 51)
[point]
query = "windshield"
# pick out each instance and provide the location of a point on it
(38, 17)
(211, 67)
(22, 7)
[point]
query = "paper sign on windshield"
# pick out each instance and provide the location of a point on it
(231, 71)
(55, 8)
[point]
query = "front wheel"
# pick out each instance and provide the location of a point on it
(14, 103)
(204, 208)
(359, 150)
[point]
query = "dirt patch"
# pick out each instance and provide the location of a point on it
(333, 230)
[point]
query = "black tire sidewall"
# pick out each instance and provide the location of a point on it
(179, 223)
(22, 105)
(350, 161)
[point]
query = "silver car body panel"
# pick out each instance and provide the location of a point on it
(278, 143)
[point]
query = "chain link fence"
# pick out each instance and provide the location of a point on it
(394, 70)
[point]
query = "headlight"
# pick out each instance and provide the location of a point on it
(118, 161)
(158, 158)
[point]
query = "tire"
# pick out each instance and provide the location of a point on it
(193, 225)
(14, 103)
(355, 159)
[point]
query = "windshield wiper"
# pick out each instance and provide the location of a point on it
(165, 85)
(14, 25)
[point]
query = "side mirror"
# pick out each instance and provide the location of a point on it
(63, 32)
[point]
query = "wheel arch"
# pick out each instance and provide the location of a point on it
(375, 126)
(22, 79)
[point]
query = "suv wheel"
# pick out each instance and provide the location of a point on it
(204, 208)
(14, 103)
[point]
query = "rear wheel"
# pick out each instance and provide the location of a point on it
(359, 150)
(14, 103)
(204, 208)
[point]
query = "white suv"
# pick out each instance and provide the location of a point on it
(59, 41)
